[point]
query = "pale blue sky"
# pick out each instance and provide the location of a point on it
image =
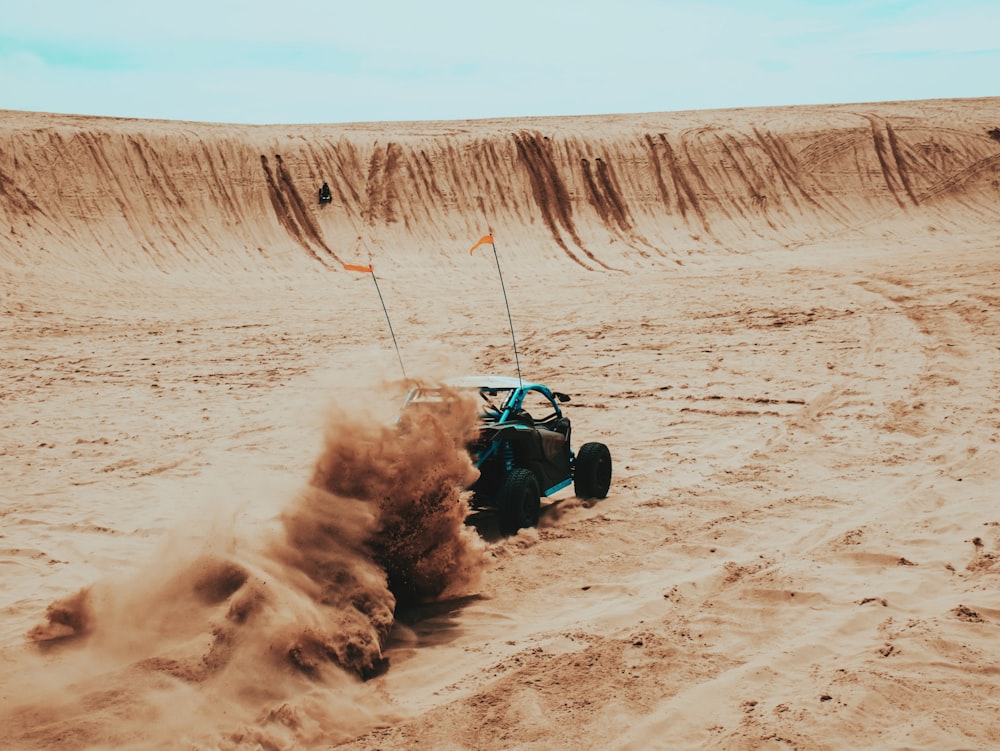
(292, 61)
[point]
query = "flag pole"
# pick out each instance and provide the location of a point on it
(391, 332)
(370, 269)
(489, 239)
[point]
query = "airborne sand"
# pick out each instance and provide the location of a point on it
(784, 322)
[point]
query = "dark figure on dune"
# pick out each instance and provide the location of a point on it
(324, 194)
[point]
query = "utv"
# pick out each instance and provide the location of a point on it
(523, 450)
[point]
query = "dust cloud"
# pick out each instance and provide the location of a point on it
(259, 638)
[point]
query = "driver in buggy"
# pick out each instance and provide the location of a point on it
(324, 194)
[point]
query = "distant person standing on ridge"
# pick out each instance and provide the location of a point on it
(324, 194)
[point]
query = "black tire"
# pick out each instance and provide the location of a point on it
(519, 501)
(592, 473)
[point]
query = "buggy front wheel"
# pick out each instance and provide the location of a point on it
(592, 471)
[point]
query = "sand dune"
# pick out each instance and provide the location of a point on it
(604, 192)
(784, 322)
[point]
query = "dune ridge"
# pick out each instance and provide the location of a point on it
(655, 187)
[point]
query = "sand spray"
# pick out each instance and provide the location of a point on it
(265, 638)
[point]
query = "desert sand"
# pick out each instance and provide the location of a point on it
(784, 322)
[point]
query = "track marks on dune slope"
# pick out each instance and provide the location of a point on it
(608, 200)
(228, 203)
(380, 188)
(694, 158)
(99, 147)
(163, 202)
(153, 168)
(750, 181)
(340, 163)
(687, 199)
(987, 169)
(604, 194)
(548, 189)
(715, 173)
(19, 204)
(916, 162)
(400, 185)
(17, 198)
(291, 210)
(302, 214)
(550, 193)
(889, 158)
(766, 179)
(800, 188)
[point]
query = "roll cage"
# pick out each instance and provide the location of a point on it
(505, 400)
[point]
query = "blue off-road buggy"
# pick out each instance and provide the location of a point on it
(523, 450)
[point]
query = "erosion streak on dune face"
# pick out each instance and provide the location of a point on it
(379, 193)
(901, 163)
(604, 194)
(549, 190)
(285, 213)
(302, 214)
(686, 197)
(890, 167)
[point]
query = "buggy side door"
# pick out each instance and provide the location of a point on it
(553, 435)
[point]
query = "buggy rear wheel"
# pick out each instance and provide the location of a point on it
(592, 471)
(519, 501)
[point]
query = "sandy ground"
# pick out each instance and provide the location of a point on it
(800, 550)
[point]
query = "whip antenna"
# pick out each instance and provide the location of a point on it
(369, 269)
(488, 240)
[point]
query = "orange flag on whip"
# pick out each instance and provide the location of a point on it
(355, 267)
(484, 240)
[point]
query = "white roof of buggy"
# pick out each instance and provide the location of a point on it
(487, 382)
